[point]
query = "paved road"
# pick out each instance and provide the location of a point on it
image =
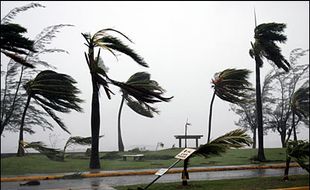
(106, 183)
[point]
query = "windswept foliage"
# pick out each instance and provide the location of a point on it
(104, 40)
(51, 153)
(233, 139)
(266, 35)
(230, 85)
(139, 91)
(52, 91)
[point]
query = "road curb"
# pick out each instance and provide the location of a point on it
(145, 172)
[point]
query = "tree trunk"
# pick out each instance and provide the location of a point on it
(95, 127)
(287, 167)
(254, 139)
(210, 116)
(259, 113)
(120, 141)
(21, 150)
(294, 127)
(283, 139)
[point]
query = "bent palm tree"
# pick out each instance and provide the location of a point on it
(265, 36)
(141, 81)
(52, 91)
(233, 139)
(230, 85)
(99, 77)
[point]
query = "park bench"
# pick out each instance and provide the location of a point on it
(135, 156)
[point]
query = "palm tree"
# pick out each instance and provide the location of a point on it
(13, 44)
(141, 81)
(299, 151)
(52, 91)
(300, 106)
(233, 139)
(99, 77)
(264, 46)
(230, 85)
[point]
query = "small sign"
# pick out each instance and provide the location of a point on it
(185, 153)
(161, 171)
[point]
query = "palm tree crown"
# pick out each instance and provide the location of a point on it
(231, 85)
(54, 91)
(266, 35)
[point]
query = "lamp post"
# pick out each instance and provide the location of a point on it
(186, 124)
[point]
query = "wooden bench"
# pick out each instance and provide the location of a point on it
(135, 157)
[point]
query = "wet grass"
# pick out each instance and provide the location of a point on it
(257, 183)
(36, 163)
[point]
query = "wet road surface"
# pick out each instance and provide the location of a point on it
(106, 183)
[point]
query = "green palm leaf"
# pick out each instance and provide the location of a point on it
(266, 35)
(232, 85)
(234, 139)
(51, 153)
(300, 101)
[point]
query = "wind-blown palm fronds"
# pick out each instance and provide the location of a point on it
(6, 19)
(51, 153)
(78, 140)
(230, 85)
(265, 36)
(53, 91)
(103, 39)
(234, 139)
(298, 151)
(13, 44)
(300, 101)
(139, 91)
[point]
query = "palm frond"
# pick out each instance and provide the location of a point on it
(113, 43)
(299, 150)
(51, 153)
(141, 107)
(234, 139)
(232, 85)
(78, 140)
(300, 101)
(15, 11)
(266, 35)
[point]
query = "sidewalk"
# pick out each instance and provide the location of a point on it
(93, 174)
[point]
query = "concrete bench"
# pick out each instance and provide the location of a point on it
(135, 157)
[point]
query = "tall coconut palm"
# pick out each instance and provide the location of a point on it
(264, 46)
(99, 77)
(230, 85)
(141, 81)
(52, 91)
(233, 139)
(300, 105)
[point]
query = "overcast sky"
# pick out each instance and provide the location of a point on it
(184, 43)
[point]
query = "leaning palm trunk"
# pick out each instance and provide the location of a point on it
(259, 113)
(21, 150)
(210, 117)
(120, 140)
(95, 128)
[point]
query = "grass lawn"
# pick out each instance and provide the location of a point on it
(230, 184)
(36, 163)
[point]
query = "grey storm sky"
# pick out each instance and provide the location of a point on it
(184, 43)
